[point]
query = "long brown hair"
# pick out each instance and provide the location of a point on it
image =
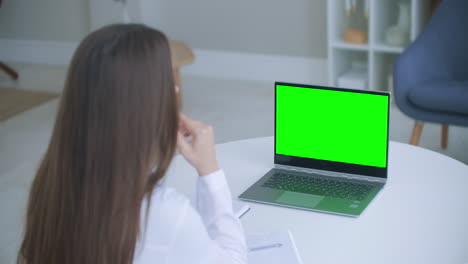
(117, 118)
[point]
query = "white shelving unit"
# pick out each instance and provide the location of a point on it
(375, 54)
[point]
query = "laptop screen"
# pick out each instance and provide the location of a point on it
(334, 129)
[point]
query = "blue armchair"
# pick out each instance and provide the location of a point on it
(431, 76)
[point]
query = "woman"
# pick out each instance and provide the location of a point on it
(95, 197)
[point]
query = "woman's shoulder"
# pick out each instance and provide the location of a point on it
(166, 199)
(166, 209)
(166, 193)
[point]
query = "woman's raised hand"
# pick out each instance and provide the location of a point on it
(195, 140)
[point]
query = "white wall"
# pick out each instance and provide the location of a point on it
(51, 20)
(241, 39)
(104, 12)
(273, 27)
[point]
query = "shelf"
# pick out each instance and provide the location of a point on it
(378, 56)
(383, 68)
(388, 48)
(386, 15)
(348, 46)
(343, 60)
(342, 20)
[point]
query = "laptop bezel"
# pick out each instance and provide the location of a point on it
(340, 167)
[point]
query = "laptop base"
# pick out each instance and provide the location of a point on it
(348, 207)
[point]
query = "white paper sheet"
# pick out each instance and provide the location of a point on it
(274, 247)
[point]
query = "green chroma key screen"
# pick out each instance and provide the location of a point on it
(332, 125)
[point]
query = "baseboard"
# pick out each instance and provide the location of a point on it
(249, 66)
(218, 64)
(37, 51)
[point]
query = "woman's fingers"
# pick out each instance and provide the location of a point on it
(187, 123)
(190, 127)
(184, 131)
(182, 144)
(200, 150)
(184, 126)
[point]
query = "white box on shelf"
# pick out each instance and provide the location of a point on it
(355, 78)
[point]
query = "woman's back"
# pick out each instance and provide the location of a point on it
(118, 119)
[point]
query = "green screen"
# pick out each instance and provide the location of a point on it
(332, 125)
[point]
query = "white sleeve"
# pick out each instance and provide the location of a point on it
(214, 203)
(213, 234)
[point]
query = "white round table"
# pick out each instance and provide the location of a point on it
(421, 215)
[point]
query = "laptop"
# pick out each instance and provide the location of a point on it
(330, 149)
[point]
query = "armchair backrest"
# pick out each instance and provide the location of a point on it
(441, 50)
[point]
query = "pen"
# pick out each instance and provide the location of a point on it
(265, 247)
(242, 212)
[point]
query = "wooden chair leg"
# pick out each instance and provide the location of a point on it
(417, 130)
(444, 138)
(12, 73)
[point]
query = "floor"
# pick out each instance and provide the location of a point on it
(237, 109)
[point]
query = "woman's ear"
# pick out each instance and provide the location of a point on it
(177, 89)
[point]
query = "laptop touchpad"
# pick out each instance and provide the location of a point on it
(299, 199)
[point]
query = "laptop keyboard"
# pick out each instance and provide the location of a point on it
(318, 185)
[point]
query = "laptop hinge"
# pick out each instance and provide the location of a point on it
(332, 173)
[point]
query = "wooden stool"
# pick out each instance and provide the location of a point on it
(181, 55)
